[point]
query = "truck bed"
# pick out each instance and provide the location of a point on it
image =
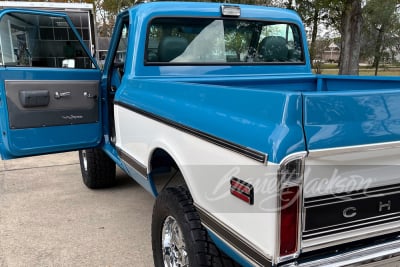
(340, 110)
(265, 113)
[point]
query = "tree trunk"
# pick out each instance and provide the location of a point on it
(351, 32)
(378, 49)
(314, 34)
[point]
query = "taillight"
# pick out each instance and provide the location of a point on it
(290, 181)
(289, 221)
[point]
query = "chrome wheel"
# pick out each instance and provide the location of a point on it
(173, 244)
(84, 160)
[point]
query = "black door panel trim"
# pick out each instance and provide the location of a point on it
(33, 103)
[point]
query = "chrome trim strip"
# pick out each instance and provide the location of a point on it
(371, 193)
(354, 149)
(324, 244)
(245, 151)
(233, 239)
(315, 234)
(376, 254)
(132, 162)
(353, 195)
(349, 199)
(378, 219)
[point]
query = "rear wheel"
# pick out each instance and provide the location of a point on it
(98, 170)
(178, 237)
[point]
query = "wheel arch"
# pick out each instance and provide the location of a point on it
(161, 161)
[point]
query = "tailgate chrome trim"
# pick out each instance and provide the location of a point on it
(376, 254)
(329, 152)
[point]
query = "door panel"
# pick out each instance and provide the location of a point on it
(49, 99)
(34, 104)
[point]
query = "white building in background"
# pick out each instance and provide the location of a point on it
(331, 53)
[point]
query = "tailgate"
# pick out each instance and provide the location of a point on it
(338, 119)
(352, 174)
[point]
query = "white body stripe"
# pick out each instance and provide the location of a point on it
(207, 169)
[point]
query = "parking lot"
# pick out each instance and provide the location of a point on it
(49, 218)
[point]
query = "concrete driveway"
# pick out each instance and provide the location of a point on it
(49, 218)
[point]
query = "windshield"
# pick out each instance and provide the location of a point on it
(218, 41)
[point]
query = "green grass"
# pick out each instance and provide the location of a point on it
(366, 71)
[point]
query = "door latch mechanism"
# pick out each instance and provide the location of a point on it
(89, 95)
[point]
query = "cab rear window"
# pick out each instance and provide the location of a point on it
(174, 41)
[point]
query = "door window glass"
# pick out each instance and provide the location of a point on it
(40, 41)
(120, 54)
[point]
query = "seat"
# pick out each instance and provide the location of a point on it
(171, 47)
(273, 49)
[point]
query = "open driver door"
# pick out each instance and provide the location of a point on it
(49, 85)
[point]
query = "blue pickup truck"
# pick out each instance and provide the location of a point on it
(213, 108)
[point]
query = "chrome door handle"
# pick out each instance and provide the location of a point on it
(58, 95)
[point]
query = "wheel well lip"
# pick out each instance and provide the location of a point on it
(171, 154)
(151, 156)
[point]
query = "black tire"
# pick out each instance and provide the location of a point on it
(176, 203)
(98, 170)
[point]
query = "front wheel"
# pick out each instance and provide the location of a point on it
(178, 237)
(97, 168)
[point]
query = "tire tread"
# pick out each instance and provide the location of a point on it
(100, 171)
(207, 253)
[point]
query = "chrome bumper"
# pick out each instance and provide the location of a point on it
(384, 254)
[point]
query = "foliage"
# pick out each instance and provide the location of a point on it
(106, 12)
(381, 31)
(235, 41)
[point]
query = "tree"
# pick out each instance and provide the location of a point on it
(343, 15)
(312, 13)
(106, 11)
(381, 22)
(351, 22)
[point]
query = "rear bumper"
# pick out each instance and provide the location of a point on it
(383, 254)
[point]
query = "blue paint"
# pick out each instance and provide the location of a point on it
(278, 109)
(34, 141)
(266, 121)
(229, 251)
(142, 14)
(340, 119)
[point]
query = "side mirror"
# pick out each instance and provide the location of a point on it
(68, 63)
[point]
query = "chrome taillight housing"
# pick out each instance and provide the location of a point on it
(290, 198)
